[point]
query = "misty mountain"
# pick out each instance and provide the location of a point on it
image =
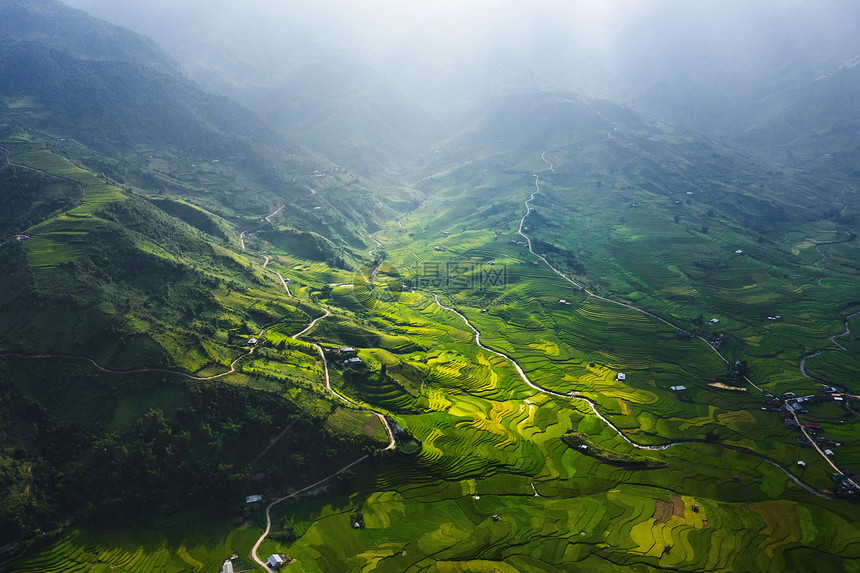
(53, 24)
(298, 69)
(110, 88)
(114, 106)
(729, 69)
(347, 111)
(757, 74)
(600, 144)
(813, 125)
(149, 125)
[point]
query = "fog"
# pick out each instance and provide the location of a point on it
(628, 39)
(396, 71)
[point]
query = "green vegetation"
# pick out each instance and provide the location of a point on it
(174, 326)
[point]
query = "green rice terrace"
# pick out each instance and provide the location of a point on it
(534, 372)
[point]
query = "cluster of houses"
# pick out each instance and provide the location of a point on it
(737, 372)
(348, 355)
(789, 406)
(846, 485)
(275, 562)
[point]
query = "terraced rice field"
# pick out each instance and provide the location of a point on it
(63, 238)
(176, 545)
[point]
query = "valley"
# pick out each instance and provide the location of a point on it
(509, 390)
(503, 302)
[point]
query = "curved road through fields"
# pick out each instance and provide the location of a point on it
(391, 442)
(591, 403)
(326, 313)
(593, 406)
(591, 294)
(527, 204)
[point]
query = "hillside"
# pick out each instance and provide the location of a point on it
(132, 115)
(124, 273)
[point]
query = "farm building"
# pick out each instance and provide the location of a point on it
(621, 377)
(253, 499)
(355, 360)
(677, 388)
(227, 567)
(276, 561)
(252, 341)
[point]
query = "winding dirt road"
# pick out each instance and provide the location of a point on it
(391, 441)
(592, 294)
(593, 406)
(591, 403)
(140, 370)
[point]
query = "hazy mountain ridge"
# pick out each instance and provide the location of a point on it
(54, 24)
(725, 70)
(613, 144)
